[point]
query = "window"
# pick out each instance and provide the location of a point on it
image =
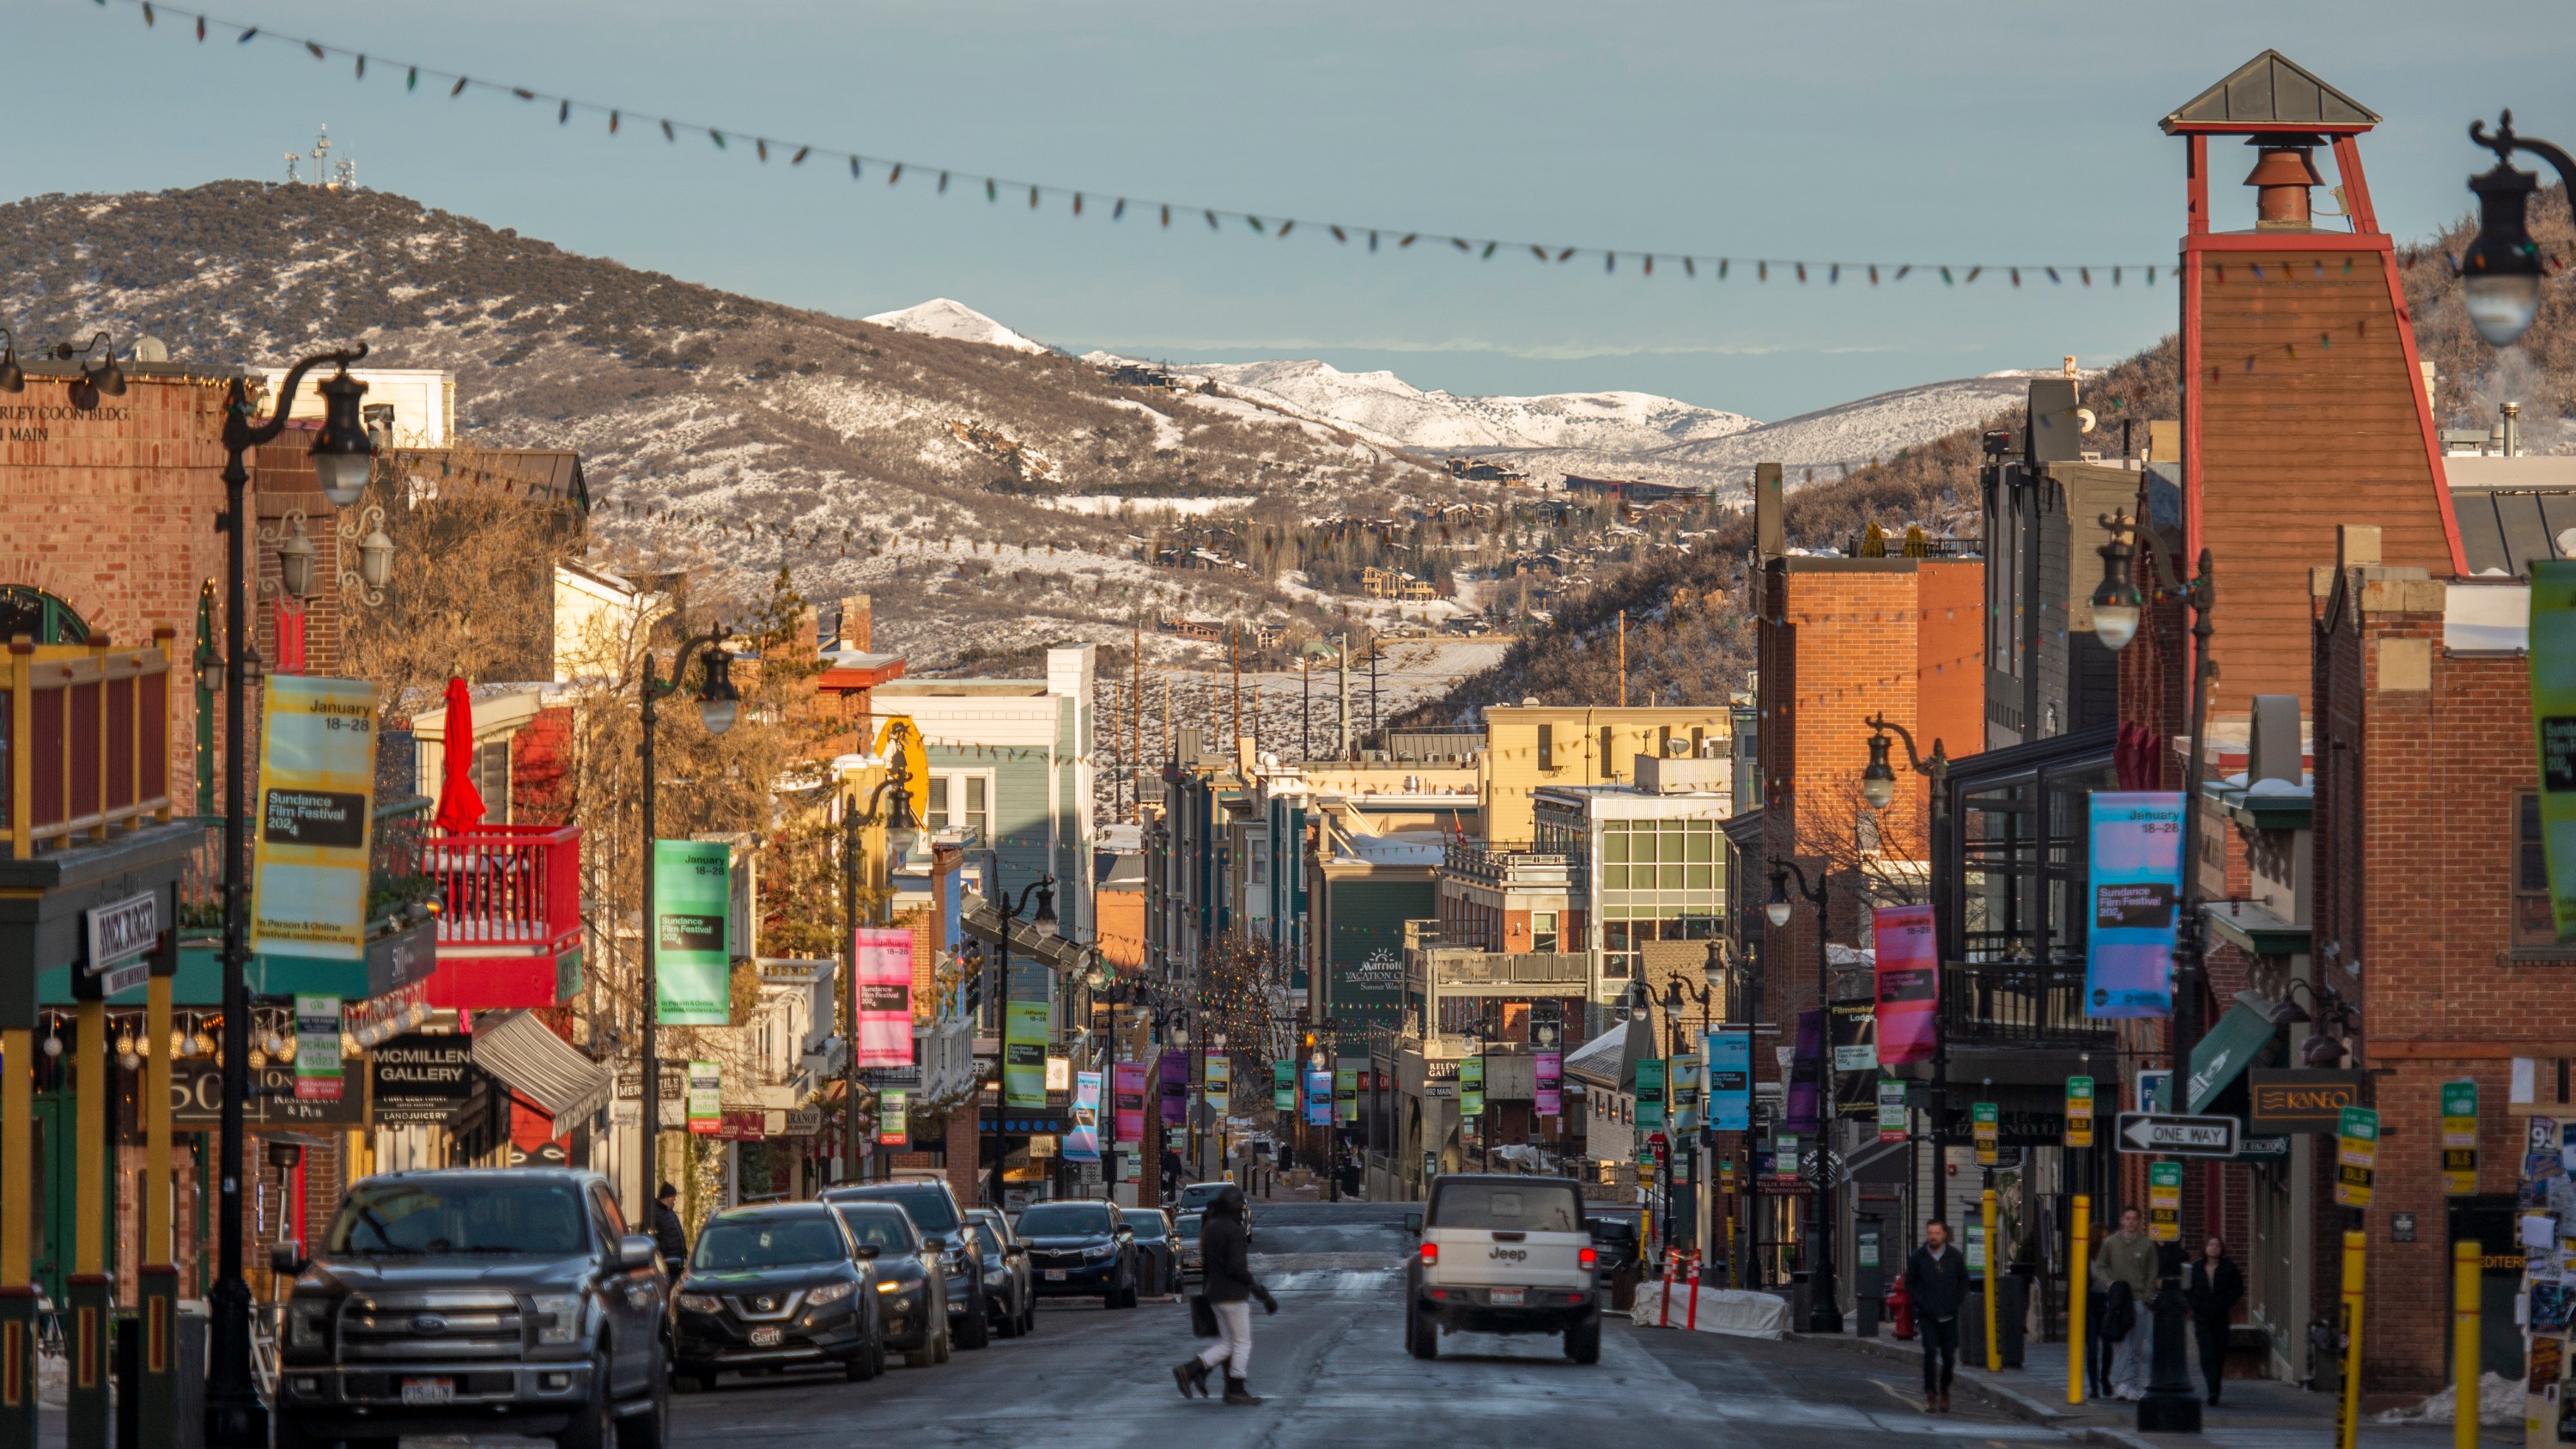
(979, 815)
(1608, 771)
(1543, 930)
(40, 616)
(2534, 924)
(939, 787)
(1547, 747)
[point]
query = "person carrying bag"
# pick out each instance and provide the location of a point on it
(1222, 1309)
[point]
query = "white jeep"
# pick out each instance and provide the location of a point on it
(1503, 1254)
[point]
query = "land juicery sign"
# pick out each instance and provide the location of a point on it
(317, 780)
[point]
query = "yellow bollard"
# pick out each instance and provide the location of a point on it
(2467, 1291)
(2356, 1246)
(2077, 1282)
(1986, 1214)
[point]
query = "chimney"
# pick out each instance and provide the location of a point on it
(2512, 428)
(857, 622)
(2284, 169)
(1769, 531)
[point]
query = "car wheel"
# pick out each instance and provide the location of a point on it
(1007, 1322)
(1583, 1340)
(591, 1426)
(652, 1428)
(861, 1367)
(1421, 1335)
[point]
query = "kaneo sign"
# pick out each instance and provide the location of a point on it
(2302, 1101)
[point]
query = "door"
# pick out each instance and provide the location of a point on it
(55, 1192)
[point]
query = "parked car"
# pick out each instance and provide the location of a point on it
(911, 1281)
(1159, 1247)
(1502, 1255)
(1196, 1197)
(1615, 1234)
(1078, 1249)
(465, 1301)
(1007, 1280)
(1186, 1228)
(944, 1229)
(774, 1287)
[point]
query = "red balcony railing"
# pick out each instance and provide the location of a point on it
(84, 740)
(506, 889)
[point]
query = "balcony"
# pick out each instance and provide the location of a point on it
(84, 741)
(509, 928)
(2018, 1003)
(1508, 869)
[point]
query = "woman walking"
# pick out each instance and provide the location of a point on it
(1229, 1287)
(2213, 1284)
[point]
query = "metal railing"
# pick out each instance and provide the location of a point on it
(1450, 967)
(2017, 1001)
(507, 886)
(84, 739)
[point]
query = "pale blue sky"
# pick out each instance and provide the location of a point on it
(1969, 130)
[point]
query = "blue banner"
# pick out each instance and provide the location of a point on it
(1319, 1098)
(1730, 1081)
(2137, 865)
(1082, 1142)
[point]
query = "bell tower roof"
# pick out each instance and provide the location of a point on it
(2270, 93)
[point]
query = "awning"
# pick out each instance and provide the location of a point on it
(2241, 1037)
(529, 1059)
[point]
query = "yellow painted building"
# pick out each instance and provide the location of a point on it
(1527, 746)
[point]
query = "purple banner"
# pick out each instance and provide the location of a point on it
(1550, 1091)
(1803, 1071)
(1176, 1087)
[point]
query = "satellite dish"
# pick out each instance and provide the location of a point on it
(2084, 419)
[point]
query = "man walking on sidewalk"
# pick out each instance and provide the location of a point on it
(2128, 1258)
(1936, 1280)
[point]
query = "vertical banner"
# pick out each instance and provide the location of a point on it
(1024, 1044)
(1909, 984)
(2137, 894)
(2356, 1156)
(692, 964)
(317, 1049)
(1650, 1094)
(1471, 1086)
(894, 1118)
(1806, 1071)
(1175, 1072)
(1346, 1096)
(2459, 1138)
(1319, 1097)
(317, 782)
(1127, 1089)
(1989, 1133)
(2164, 1201)
(1892, 1126)
(705, 1097)
(1730, 1081)
(1547, 1067)
(884, 955)
(1218, 1078)
(2079, 1111)
(1283, 1085)
(1681, 1089)
(1082, 1142)
(2553, 714)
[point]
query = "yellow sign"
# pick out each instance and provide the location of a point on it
(2460, 1138)
(900, 734)
(2079, 1111)
(2164, 1201)
(317, 783)
(2356, 1157)
(1989, 1132)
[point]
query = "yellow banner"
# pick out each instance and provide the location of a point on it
(317, 780)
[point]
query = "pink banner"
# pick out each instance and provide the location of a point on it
(1909, 984)
(1549, 1067)
(1129, 1088)
(885, 997)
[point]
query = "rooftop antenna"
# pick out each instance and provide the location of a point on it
(321, 154)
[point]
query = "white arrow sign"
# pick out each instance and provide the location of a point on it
(2178, 1136)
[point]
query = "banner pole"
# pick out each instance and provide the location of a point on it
(2079, 1279)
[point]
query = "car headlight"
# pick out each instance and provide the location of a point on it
(698, 1303)
(1105, 1252)
(830, 1293)
(308, 1324)
(558, 1317)
(889, 1286)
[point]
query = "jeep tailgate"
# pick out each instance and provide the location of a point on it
(1477, 1256)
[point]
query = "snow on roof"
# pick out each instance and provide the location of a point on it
(2486, 616)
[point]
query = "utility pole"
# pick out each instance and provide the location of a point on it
(1374, 654)
(1342, 654)
(1623, 659)
(1305, 708)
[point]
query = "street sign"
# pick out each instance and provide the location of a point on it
(2164, 1201)
(2356, 1157)
(1988, 1130)
(1892, 1119)
(2460, 1138)
(2155, 1089)
(2079, 1111)
(2179, 1136)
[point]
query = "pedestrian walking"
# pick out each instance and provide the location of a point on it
(2213, 1283)
(668, 1235)
(1936, 1283)
(2127, 1260)
(1228, 1285)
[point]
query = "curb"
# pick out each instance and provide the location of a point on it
(2011, 1401)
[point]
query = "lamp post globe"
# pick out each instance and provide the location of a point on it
(2500, 272)
(344, 456)
(720, 700)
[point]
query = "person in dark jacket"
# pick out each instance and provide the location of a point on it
(2213, 1284)
(668, 1235)
(1225, 1259)
(1936, 1282)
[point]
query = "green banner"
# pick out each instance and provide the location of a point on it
(1024, 1044)
(1283, 1086)
(1471, 1086)
(692, 962)
(1650, 1094)
(2553, 713)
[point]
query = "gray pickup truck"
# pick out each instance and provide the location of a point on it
(467, 1300)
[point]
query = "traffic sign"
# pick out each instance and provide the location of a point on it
(2179, 1136)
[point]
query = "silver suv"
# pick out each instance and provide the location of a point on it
(1503, 1255)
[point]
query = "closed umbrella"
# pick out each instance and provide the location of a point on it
(460, 805)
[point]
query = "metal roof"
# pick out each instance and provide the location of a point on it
(2271, 92)
(525, 1054)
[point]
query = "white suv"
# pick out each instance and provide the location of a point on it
(1503, 1255)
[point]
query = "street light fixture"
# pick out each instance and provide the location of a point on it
(890, 805)
(13, 378)
(344, 456)
(101, 378)
(2501, 272)
(1824, 1306)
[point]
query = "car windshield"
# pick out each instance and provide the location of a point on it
(885, 1229)
(928, 1204)
(1200, 1194)
(1190, 1225)
(1148, 1222)
(418, 1216)
(1064, 1220)
(767, 1242)
(1530, 1208)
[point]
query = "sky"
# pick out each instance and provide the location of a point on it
(1960, 131)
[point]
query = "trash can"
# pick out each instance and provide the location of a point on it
(2012, 1307)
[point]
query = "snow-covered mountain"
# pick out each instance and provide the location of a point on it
(941, 317)
(1386, 409)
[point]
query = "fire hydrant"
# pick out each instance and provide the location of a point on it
(1900, 1309)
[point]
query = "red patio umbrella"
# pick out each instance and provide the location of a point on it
(460, 805)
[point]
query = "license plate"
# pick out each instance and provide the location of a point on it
(1055, 1275)
(429, 1391)
(1504, 1297)
(767, 1337)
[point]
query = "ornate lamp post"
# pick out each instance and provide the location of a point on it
(2501, 273)
(1824, 1306)
(889, 805)
(1044, 920)
(1878, 787)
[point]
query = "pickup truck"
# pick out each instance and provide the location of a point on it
(1503, 1254)
(466, 1301)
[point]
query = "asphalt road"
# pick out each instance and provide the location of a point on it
(1332, 1365)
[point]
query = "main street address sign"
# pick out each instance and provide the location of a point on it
(2178, 1136)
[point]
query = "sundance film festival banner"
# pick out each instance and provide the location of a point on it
(1548, 1069)
(1909, 984)
(1082, 1143)
(2553, 712)
(317, 781)
(1730, 1081)
(1024, 1044)
(885, 997)
(692, 962)
(1127, 1087)
(2137, 895)
(1319, 1098)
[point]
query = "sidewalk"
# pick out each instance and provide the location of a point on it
(2255, 1413)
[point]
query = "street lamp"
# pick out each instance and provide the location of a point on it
(1824, 1306)
(13, 378)
(718, 700)
(1937, 770)
(2501, 272)
(1678, 998)
(889, 805)
(235, 1418)
(1044, 921)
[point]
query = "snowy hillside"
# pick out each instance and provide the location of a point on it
(1388, 410)
(941, 317)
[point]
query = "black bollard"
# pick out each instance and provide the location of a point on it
(2170, 1406)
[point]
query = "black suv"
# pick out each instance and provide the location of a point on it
(910, 1285)
(778, 1286)
(470, 1300)
(946, 1233)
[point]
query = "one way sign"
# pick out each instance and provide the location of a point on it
(2178, 1136)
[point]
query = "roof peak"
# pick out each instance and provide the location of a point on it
(2271, 92)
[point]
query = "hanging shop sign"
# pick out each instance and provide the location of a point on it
(197, 1098)
(2460, 1138)
(117, 937)
(1283, 1085)
(1730, 1081)
(317, 1049)
(2079, 1111)
(2137, 892)
(421, 1079)
(2289, 1099)
(1024, 1044)
(1082, 1143)
(317, 781)
(692, 957)
(2356, 1157)
(1650, 1094)
(2164, 1201)
(1909, 984)
(706, 1098)
(885, 996)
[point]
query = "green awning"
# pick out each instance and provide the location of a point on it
(2241, 1037)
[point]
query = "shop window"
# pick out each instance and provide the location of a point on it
(938, 820)
(40, 616)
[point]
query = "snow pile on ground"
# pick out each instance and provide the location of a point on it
(941, 317)
(2499, 1402)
